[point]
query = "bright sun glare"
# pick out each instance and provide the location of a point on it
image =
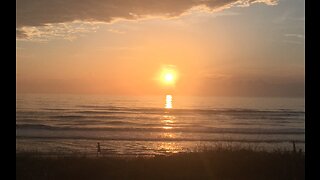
(169, 76)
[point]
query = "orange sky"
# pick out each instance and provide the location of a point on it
(239, 51)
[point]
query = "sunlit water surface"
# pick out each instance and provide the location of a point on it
(155, 125)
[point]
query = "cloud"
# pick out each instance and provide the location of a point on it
(294, 39)
(68, 31)
(116, 31)
(300, 36)
(20, 34)
(43, 13)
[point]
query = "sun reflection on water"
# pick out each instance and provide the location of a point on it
(168, 148)
(167, 121)
(168, 135)
(168, 104)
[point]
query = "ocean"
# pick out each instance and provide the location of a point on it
(155, 125)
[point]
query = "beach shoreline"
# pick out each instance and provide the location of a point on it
(218, 163)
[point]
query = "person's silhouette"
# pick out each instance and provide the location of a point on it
(98, 149)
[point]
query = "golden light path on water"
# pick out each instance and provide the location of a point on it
(168, 104)
(167, 122)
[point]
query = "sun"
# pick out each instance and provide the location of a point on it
(168, 77)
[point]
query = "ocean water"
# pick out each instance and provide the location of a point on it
(153, 125)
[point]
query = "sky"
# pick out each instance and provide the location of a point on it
(119, 47)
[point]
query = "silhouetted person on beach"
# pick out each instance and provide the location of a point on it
(98, 149)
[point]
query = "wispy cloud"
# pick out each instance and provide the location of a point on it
(300, 36)
(47, 19)
(294, 38)
(68, 31)
(116, 31)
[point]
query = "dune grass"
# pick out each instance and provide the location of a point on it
(206, 163)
